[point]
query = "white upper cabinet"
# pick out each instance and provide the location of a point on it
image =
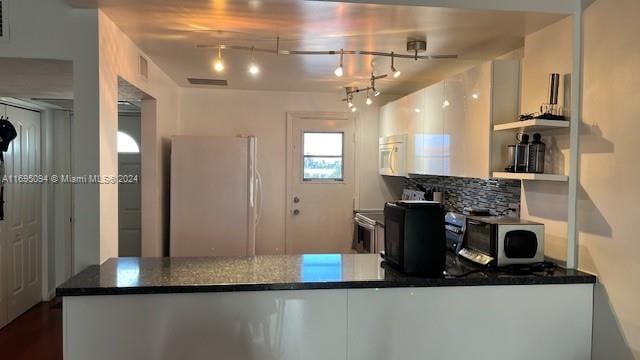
(468, 122)
(456, 135)
(433, 150)
(448, 124)
(413, 114)
(392, 120)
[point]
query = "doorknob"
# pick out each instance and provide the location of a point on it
(296, 211)
(296, 199)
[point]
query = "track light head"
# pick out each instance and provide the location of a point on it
(396, 72)
(354, 109)
(376, 92)
(218, 64)
(253, 67)
(368, 102)
(339, 70)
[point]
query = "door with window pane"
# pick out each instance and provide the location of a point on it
(320, 183)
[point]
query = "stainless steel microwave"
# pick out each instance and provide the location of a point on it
(392, 155)
(499, 241)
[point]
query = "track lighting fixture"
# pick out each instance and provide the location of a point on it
(368, 102)
(219, 65)
(396, 72)
(339, 70)
(376, 92)
(253, 67)
(354, 109)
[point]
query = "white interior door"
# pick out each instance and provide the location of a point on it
(22, 224)
(3, 261)
(320, 183)
(129, 230)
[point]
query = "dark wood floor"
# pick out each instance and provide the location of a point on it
(36, 334)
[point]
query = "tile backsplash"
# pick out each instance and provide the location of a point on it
(493, 194)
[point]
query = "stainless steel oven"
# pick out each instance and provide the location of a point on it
(364, 234)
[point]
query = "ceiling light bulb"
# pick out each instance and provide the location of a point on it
(218, 66)
(368, 102)
(353, 109)
(350, 104)
(254, 69)
(416, 110)
(339, 70)
(376, 93)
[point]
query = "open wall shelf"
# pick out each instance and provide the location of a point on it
(530, 176)
(533, 125)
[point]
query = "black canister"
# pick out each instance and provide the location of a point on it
(522, 154)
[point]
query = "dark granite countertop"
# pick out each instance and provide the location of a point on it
(119, 276)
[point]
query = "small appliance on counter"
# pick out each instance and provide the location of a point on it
(414, 237)
(454, 225)
(501, 240)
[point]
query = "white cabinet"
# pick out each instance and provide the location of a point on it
(470, 322)
(449, 123)
(391, 120)
(454, 127)
(433, 133)
(248, 325)
(412, 110)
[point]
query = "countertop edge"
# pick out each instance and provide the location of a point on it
(418, 283)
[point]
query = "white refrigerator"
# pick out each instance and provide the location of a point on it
(215, 196)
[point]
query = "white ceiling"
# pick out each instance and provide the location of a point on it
(169, 30)
(36, 78)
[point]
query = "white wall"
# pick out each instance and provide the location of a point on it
(609, 174)
(608, 186)
(119, 57)
(263, 114)
(49, 29)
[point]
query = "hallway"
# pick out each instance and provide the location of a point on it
(36, 334)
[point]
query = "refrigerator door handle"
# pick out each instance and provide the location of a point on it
(259, 196)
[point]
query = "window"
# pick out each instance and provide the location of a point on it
(322, 158)
(126, 144)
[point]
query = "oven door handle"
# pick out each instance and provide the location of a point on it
(365, 225)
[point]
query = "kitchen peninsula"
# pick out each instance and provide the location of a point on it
(321, 306)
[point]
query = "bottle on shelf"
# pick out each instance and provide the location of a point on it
(536, 150)
(522, 153)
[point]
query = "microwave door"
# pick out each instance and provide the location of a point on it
(386, 160)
